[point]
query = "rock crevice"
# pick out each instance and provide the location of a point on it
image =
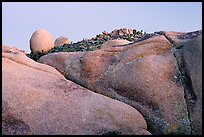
(189, 93)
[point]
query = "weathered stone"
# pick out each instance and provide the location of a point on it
(38, 100)
(61, 41)
(57, 60)
(5, 48)
(91, 70)
(153, 75)
(188, 53)
(134, 78)
(41, 41)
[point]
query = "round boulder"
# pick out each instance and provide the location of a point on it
(61, 41)
(41, 41)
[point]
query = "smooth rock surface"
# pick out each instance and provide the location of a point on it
(41, 41)
(38, 100)
(61, 41)
(114, 43)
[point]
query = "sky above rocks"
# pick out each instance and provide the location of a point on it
(78, 20)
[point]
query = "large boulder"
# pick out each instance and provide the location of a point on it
(147, 75)
(38, 100)
(41, 41)
(144, 77)
(61, 41)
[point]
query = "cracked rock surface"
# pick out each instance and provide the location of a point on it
(159, 75)
(188, 53)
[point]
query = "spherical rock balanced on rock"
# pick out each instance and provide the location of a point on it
(41, 41)
(61, 41)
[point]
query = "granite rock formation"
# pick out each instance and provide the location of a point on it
(159, 75)
(38, 100)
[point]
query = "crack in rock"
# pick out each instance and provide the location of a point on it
(189, 94)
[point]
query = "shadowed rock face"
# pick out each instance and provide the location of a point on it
(188, 54)
(192, 57)
(37, 99)
(149, 76)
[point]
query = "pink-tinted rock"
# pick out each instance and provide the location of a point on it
(130, 31)
(57, 60)
(146, 75)
(145, 79)
(5, 48)
(189, 57)
(21, 58)
(125, 31)
(92, 69)
(114, 33)
(41, 41)
(114, 43)
(61, 41)
(38, 100)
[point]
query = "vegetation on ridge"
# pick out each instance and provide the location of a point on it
(90, 44)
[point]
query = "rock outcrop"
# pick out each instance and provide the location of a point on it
(38, 100)
(123, 31)
(159, 75)
(41, 41)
